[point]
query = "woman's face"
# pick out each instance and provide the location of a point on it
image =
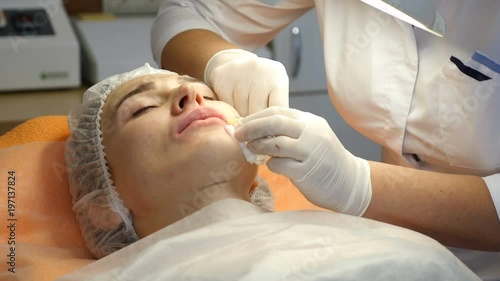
(168, 151)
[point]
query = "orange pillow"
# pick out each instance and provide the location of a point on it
(48, 243)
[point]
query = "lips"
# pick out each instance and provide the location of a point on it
(199, 113)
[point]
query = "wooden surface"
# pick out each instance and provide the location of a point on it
(16, 107)
(74, 7)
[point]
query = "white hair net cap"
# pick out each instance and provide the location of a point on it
(105, 222)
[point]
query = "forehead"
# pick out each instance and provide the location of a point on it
(126, 87)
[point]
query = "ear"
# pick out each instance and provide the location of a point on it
(103, 217)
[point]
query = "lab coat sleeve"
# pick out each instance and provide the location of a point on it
(493, 183)
(250, 24)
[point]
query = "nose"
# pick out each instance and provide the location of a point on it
(187, 97)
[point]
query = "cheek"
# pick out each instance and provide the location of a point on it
(144, 139)
(225, 109)
(133, 156)
(136, 144)
(134, 136)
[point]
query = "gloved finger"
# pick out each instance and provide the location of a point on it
(241, 94)
(223, 86)
(270, 111)
(269, 87)
(287, 167)
(279, 96)
(259, 97)
(263, 97)
(275, 125)
(279, 146)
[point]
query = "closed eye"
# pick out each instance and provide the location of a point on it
(209, 98)
(143, 110)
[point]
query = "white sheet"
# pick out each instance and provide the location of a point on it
(236, 240)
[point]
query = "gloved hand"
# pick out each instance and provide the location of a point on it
(248, 82)
(304, 148)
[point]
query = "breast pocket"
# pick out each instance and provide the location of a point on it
(469, 109)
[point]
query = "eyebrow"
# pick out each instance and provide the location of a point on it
(137, 90)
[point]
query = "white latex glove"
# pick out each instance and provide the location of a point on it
(304, 148)
(248, 82)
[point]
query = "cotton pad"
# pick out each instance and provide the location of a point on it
(251, 157)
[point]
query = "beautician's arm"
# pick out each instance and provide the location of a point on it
(456, 210)
(188, 52)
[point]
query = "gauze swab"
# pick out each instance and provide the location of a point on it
(251, 157)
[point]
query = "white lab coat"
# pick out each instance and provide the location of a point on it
(424, 110)
(236, 240)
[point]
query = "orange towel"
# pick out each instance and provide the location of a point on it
(47, 237)
(45, 128)
(43, 229)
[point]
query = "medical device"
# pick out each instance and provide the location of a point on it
(113, 45)
(38, 49)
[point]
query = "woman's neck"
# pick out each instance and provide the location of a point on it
(178, 208)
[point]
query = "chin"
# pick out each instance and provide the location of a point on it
(223, 154)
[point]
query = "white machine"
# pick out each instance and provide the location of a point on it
(38, 48)
(112, 46)
(117, 44)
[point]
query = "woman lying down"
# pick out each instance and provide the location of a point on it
(162, 191)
